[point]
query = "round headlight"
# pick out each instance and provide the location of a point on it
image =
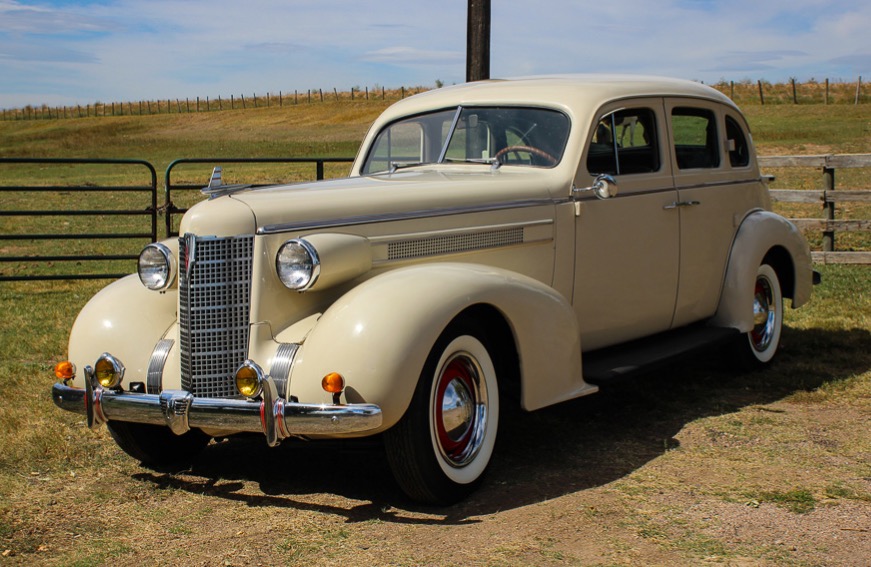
(297, 264)
(156, 267)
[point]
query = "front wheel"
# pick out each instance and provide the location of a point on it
(760, 344)
(441, 447)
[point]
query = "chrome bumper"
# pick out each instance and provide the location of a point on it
(179, 410)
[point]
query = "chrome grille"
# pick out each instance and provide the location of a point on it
(214, 300)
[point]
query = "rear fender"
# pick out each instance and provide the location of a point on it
(763, 237)
(379, 335)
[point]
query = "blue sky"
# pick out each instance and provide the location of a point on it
(67, 52)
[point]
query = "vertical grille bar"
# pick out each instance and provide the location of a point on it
(214, 302)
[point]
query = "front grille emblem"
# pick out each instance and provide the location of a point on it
(190, 245)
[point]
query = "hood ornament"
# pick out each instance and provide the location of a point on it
(216, 187)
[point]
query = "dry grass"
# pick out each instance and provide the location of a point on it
(692, 464)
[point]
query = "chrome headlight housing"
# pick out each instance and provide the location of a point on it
(156, 267)
(297, 264)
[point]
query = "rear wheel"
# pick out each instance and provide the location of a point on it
(760, 344)
(442, 446)
(156, 445)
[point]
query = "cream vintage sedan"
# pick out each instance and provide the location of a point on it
(507, 242)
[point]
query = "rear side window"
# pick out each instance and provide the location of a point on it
(739, 152)
(624, 142)
(695, 138)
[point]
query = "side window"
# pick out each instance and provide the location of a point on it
(624, 142)
(695, 138)
(739, 152)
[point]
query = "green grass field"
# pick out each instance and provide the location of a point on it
(645, 470)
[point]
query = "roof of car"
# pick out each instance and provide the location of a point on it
(556, 90)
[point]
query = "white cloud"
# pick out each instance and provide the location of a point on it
(403, 55)
(133, 49)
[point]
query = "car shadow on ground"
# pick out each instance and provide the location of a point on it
(576, 445)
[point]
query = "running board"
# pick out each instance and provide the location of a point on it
(651, 352)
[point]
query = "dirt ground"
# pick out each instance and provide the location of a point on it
(684, 467)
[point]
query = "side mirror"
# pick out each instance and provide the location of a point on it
(604, 187)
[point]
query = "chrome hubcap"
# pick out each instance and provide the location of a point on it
(764, 315)
(460, 410)
(457, 410)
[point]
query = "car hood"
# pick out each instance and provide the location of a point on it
(358, 200)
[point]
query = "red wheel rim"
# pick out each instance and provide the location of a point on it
(459, 412)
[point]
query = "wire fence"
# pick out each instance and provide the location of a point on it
(207, 104)
(793, 92)
(743, 92)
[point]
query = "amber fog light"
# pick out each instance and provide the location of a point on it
(65, 370)
(109, 371)
(248, 379)
(333, 383)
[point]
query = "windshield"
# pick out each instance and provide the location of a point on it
(533, 137)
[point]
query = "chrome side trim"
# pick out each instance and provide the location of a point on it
(411, 215)
(154, 376)
(717, 183)
(225, 414)
(281, 363)
(581, 197)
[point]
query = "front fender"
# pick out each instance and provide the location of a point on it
(126, 320)
(763, 234)
(379, 335)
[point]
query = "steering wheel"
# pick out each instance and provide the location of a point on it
(528, 149)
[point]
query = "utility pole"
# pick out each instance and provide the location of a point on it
(478, 41)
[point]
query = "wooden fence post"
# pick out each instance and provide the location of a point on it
(858, 89)
(829, 183)
(761, 96)
(827, 92)
(794, 95)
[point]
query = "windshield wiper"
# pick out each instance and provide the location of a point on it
(395, 165)
(492, 162)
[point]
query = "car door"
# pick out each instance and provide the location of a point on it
(716, 186)
(627, 247)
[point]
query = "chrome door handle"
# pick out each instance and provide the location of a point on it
(677, 204)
